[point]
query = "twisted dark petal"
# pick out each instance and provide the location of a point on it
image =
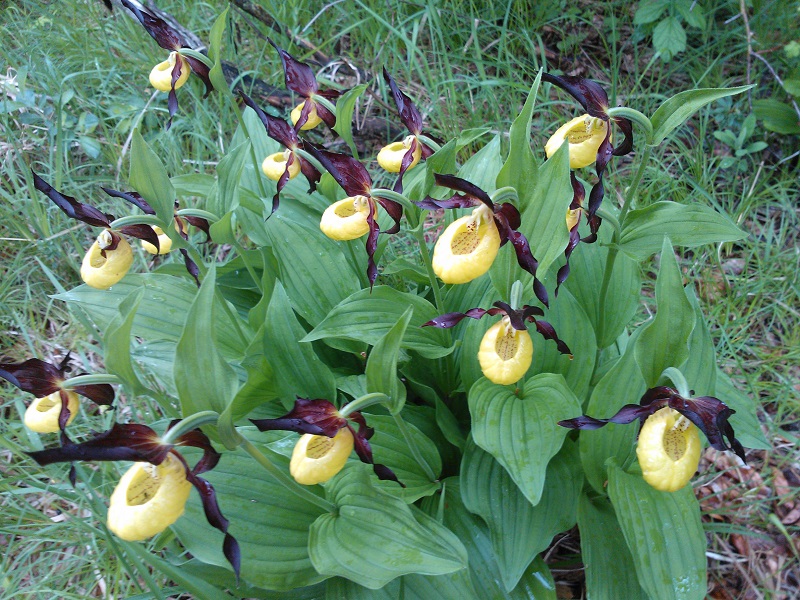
(99, 393)
(394, 210)
(318, 417)
(511, 214)
(197, 439)
(591, 96)
(33, 376)
(409, 114)
(71, 207)
(405, 163)
(282, 181)
(457, 201)
(563, 272)
(191, 266)
(200, 223)
(541, 292)
(528, 312)
(448, 320)
(711, 417)
(278, 129)
(598, 189)
(364, 451)
(323, 113)
(131, 442)
(372, 245)
(515, 317)
(462, 185)
(578, 192)
(143, 232)
(304, 112)
(346, 170)
(310, 173)
(526, 260)
(627, 414)
(164, 35)
(626, 145)
(133, 197)
(73, 475)
(202, 71)
(64, 412)
(172, 98)
(298, 76)
(549, 333)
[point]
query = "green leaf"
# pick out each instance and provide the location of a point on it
(687, 225)
(482, 167)
(202, 377)
(117, 344)
(700, 369)
(313, 268)
(665, 536)
(649, 11)
(367, 317)
(521, 432)
(519, 170)
(675, 111)
(692, 12)
(261, 387)
(669, 37)
(270, 523)
(193, 184)
(664, 341)
(518, 529)
(214, 52)
(149, 177)
(448, 424)
(345, 105)
(744, 420)
(610, 572)
(381, 368)
(777, 116)
(229, 173)
(301, 372)
(374, 537)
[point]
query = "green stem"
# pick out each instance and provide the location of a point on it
(197, 212)
(505, 193)
(285, 480)
(325, 102)
(419, 233)
(136, 220)
(635, 116)
(432, 144)
(637, 178)
(678, 380)
(191, 422)
(394, 196)
(401, 425)
(363, 402)
(94, 379)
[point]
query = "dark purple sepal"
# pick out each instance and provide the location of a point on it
(527, 261)
(323, 113)
(548, 332)
(202, 71)
(164, 35)
(310, 173)
(317, 417)
(364, 449)
(510, 213)
(64, 412)
(71, 207)
(627, 414)
(626, 145)
(457, 201)
(529, 312)
(99, 393)
(201, 223)
(278, 129)
(563, 272)
(372, 245)
(143, 232)
(405, 163)
(589, 94)
(346, 170)
(462, 185)
(408, 112)
(191, 266)
(394, 210)
(448, 320)
(134, 198)
(197, 439)
(34, 376)
(298, 76)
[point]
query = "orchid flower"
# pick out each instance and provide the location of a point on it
(327, 440)
(171, 74)
(469, 245)
(506, 350)
(300, 78)
(55, 406)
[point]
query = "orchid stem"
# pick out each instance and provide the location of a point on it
(93, 379)
(285, 480)
(191, 422)
(403, 427)
(363, 402)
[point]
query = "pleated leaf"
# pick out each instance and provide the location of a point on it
(149, 177)
(117, 344)
(381, 368)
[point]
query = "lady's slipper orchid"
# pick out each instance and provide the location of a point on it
(506, 350)
(354, 216)
(300, 79)
(573, 220)
(590, 133)
(55, 406)
(164, 242)
(317, 460)
(171, 74)
(399, 157)
(147, 500)
(110, 256)
(667, 451)
(469, 245)
(283, 166)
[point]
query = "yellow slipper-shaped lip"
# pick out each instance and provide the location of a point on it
(161, 75)
(42, 415)
(317, 458)
(102, 272)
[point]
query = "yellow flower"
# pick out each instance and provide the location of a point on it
(275, 164)
(467, 248)
(148, 499)
(668, 450)
(42, 414)
(346, 219)
(573, 216)
(584, 134)
(100, 271)
(164, 242)
(317, 458)
(161, 75)
(391, 156)
(505, 353)
(313, 118)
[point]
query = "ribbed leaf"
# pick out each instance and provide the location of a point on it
(344, 115)
(229, 173)
(744, 421)
(381, 368)
(700, 369)
(483, 166)
(149, 177)
(519, 170)
(665, 536)
(521, 432)
(117, 344)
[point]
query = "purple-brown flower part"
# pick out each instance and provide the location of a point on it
(578, 195)
(709, 414)
(320, 417)
(516, 317)
(71, 207)
(41, 379)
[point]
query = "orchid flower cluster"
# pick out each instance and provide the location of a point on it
(292, 353)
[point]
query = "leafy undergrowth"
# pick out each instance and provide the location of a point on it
(74, 87)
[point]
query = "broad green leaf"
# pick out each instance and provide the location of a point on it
(301, 372)
(519, 170)
(406, 269)
(700, 369)
(518, 529)
(609, 565)
(665, 536)
(444, 161)
(408, 587)
(214, 48)
(521, 431)
(374, 537)
(229, 173)
(224, 578)
(482, 167)
(345, 105)
(367, 317)
(117, 344)
(693, 13)
(149, 177)
(744, 420)
(313, 268)
(686, 225)
(261, 387)
(777, 116)
(270, 523)
(649, 11)
(202, 377)
(664, 341)
(537, 582)
(193, 184)
(675, 111)
(381, 367)
(622, 384)
(669, 37)
(390, 448)
(448, 424)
